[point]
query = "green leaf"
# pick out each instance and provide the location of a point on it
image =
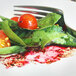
(8, 31)
(23, 33)
(12, 50)
(50, 35)
(45, 36)
(11, 22)
(71, 40)
(71, 31)
(49, 20)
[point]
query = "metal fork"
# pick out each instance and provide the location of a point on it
(38, 11)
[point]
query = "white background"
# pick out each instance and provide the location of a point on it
(65, 67)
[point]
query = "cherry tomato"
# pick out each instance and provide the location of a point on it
(4, 40)
(28, 21)
(15, 19)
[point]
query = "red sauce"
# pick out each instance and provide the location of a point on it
(47, 55)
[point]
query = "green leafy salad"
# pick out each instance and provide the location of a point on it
(48, 32)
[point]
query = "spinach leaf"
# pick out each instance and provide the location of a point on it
(44, 36)
(50, 35)
(49, 20)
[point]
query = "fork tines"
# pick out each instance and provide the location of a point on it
(37, 11)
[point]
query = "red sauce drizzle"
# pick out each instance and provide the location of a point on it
(47, 55)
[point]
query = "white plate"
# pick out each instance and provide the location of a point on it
(64, 67)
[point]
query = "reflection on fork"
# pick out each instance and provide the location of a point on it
(37, 11)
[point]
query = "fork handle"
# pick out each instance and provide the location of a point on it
(69, 11)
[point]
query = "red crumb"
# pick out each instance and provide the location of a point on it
(47, 55)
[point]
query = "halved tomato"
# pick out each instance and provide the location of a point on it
(4, 40)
